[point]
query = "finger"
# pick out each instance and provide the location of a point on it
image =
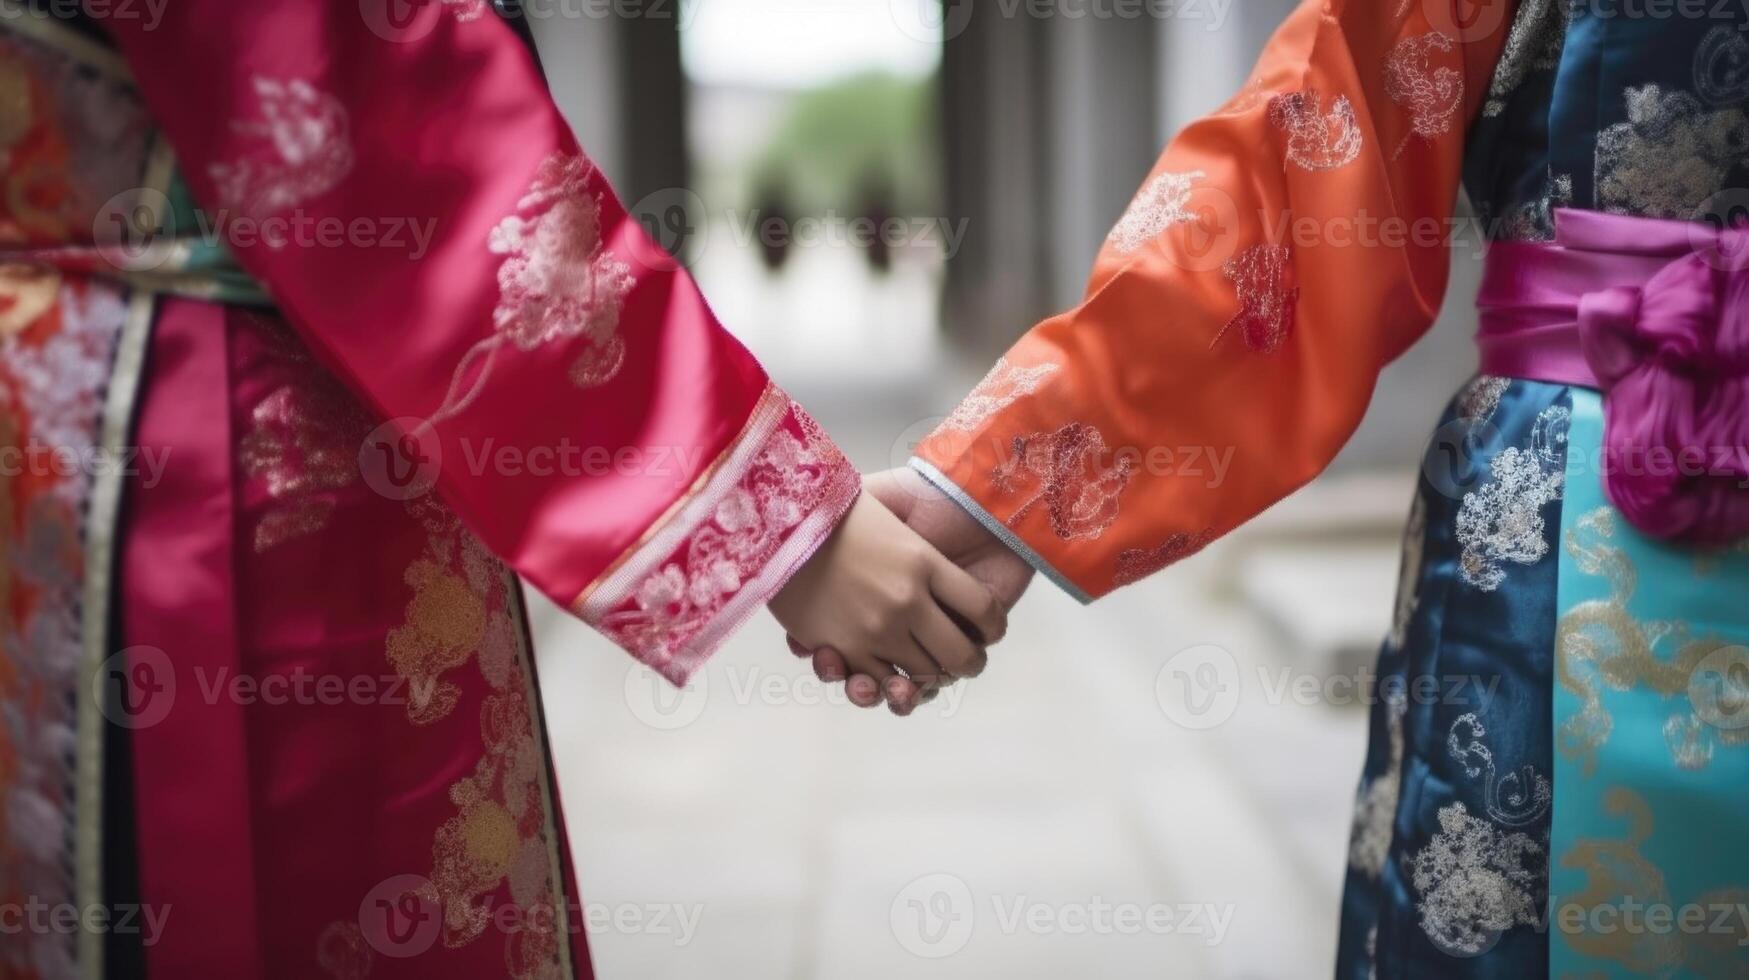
(869, 677)
(829, 665)
(967, 598)
(795, 647)
(863, 691)
(948, 644)
(922, 673)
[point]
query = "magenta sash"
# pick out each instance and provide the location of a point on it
(1655, 315)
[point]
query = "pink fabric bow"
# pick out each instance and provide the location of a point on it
(1672, 360)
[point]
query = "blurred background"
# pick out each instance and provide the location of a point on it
(1132, 789)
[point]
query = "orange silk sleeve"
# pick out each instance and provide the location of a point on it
(1282, 251)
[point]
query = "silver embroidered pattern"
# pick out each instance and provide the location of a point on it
(1375, 807)
(1538, 35)
(1721, 66)
(1670, 156)
(1481, 397)
(1317, 139)
(1432, 96)
(1263, 277)
(1501, 521)
(1475, 881)
(1517, 799)
(298, 147)
(1160, 204)
(1002, 387)
(1534, 221)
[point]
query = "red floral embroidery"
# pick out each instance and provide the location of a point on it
(1268, 292)
(777, 494)
(1069, 470)
(1139, 563)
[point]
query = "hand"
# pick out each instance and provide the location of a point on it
(961, 539)
(886, 601)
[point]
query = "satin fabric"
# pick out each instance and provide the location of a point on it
(1651, 722)
(1446, 871)
(1651, 313)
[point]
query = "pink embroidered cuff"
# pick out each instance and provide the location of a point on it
(728, 546)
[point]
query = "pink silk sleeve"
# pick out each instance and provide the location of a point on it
(552, 372)
(1282, 252)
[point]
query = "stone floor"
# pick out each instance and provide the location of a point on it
(1127, 792)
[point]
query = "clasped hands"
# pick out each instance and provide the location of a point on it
(904, 597)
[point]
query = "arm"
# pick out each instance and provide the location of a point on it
(540, 317)
(1282, 252)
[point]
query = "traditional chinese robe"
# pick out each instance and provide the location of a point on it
(281, 559)
(1282, 252)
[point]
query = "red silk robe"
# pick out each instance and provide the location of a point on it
(304, 609)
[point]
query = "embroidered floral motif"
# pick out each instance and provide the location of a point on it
(786, 494)
(1268, 291)
(1519, 798)
(1375, 807)
(1160, 204)
(1474, 882)
(1002, 387)
(1432, 96)
(1538, 35)
(1600, 645)
(1071, 472)
(1502, 521)
(1670, 156)
(1481, 397)
(1534, 220)
(302, 443)
(1409, 572)
(1317, 140)
(1721, 66)
(297, 148)
(468, 11)
(558, 281)
(463, 608)
(459, 608)
(1139, 563)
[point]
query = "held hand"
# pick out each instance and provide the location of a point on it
(962, 540)
(878, 594)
